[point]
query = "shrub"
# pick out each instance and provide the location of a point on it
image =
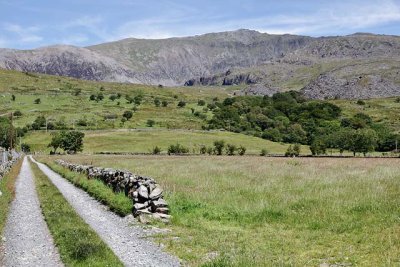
(25, 148)
(113, 97)
(210, 150)
(219, 147)
(201, 102)
(360, 102)
(293, 151)
(127, 114)
(177, 149)
(156, 150)
(150, 123)
(203, 150)
(12, 97)
(157, 102)
(181, 104)
(164, 103)
(37, 101)
(92, 98)
(242, 150)
(264, 152)
(230, 149)
(17, 113)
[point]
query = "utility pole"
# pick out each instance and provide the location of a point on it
(11, 131)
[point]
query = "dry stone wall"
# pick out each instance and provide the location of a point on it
(146, 194)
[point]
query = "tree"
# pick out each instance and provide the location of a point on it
(318, 147)
(12, 97)
(362, 141)
(219, 147)
(127, 114)
(37, 101)
(25, 148)
(56, 141)
(39, 122)
(71, 141)
(7, 133)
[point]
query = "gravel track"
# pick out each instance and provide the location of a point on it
(27, 239)
(123, 235)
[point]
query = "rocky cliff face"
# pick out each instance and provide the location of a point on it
(323, 67)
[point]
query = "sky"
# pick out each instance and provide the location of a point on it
(29, 24)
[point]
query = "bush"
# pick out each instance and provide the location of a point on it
(156, 150)
(127, 114)
(17, 113)
(293, 151)
(113, 97)
(92, 98)
(230, 149)
(70, 142)
(25, 148)
(219, 147)
(181, 104)
(37, 101)
(242, 150)
(264, 152)
(203, 150)
(210, 150)
(150, 123)
(177, 149)
(164, 103)
(157, 102)
(360, 102)
(201, 102)
(12, 97)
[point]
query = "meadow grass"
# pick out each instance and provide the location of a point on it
(117, 202)
(255, 211)
(77, 243)
(144, 140)
(7, 187)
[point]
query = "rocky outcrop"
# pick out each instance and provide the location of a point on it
(257, 90)
(360, 87)
(147, 195)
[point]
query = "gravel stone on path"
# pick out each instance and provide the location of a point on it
(27, 239)
(124, 236)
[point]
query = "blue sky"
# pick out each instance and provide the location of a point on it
(28, 24)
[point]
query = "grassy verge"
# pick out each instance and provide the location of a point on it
(118, 203)
(254, 211)
(7, 187)
(77, 243)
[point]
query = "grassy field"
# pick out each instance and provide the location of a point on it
(77, 243)
(59, 102)
(281, 212)
(143, 141)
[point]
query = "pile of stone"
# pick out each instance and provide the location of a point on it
(147, 195)
(6, 166)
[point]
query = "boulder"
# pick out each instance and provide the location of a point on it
(156, 193)
(143, 192)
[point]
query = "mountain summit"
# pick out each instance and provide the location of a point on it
(361, 65)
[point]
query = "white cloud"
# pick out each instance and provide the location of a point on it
(24, 34)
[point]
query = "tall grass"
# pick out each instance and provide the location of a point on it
(260, 211)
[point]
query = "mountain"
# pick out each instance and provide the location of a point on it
(361, 65)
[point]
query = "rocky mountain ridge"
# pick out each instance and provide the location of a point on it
(325, 67)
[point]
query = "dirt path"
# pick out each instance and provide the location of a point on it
(27, 239)
(123, 235)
